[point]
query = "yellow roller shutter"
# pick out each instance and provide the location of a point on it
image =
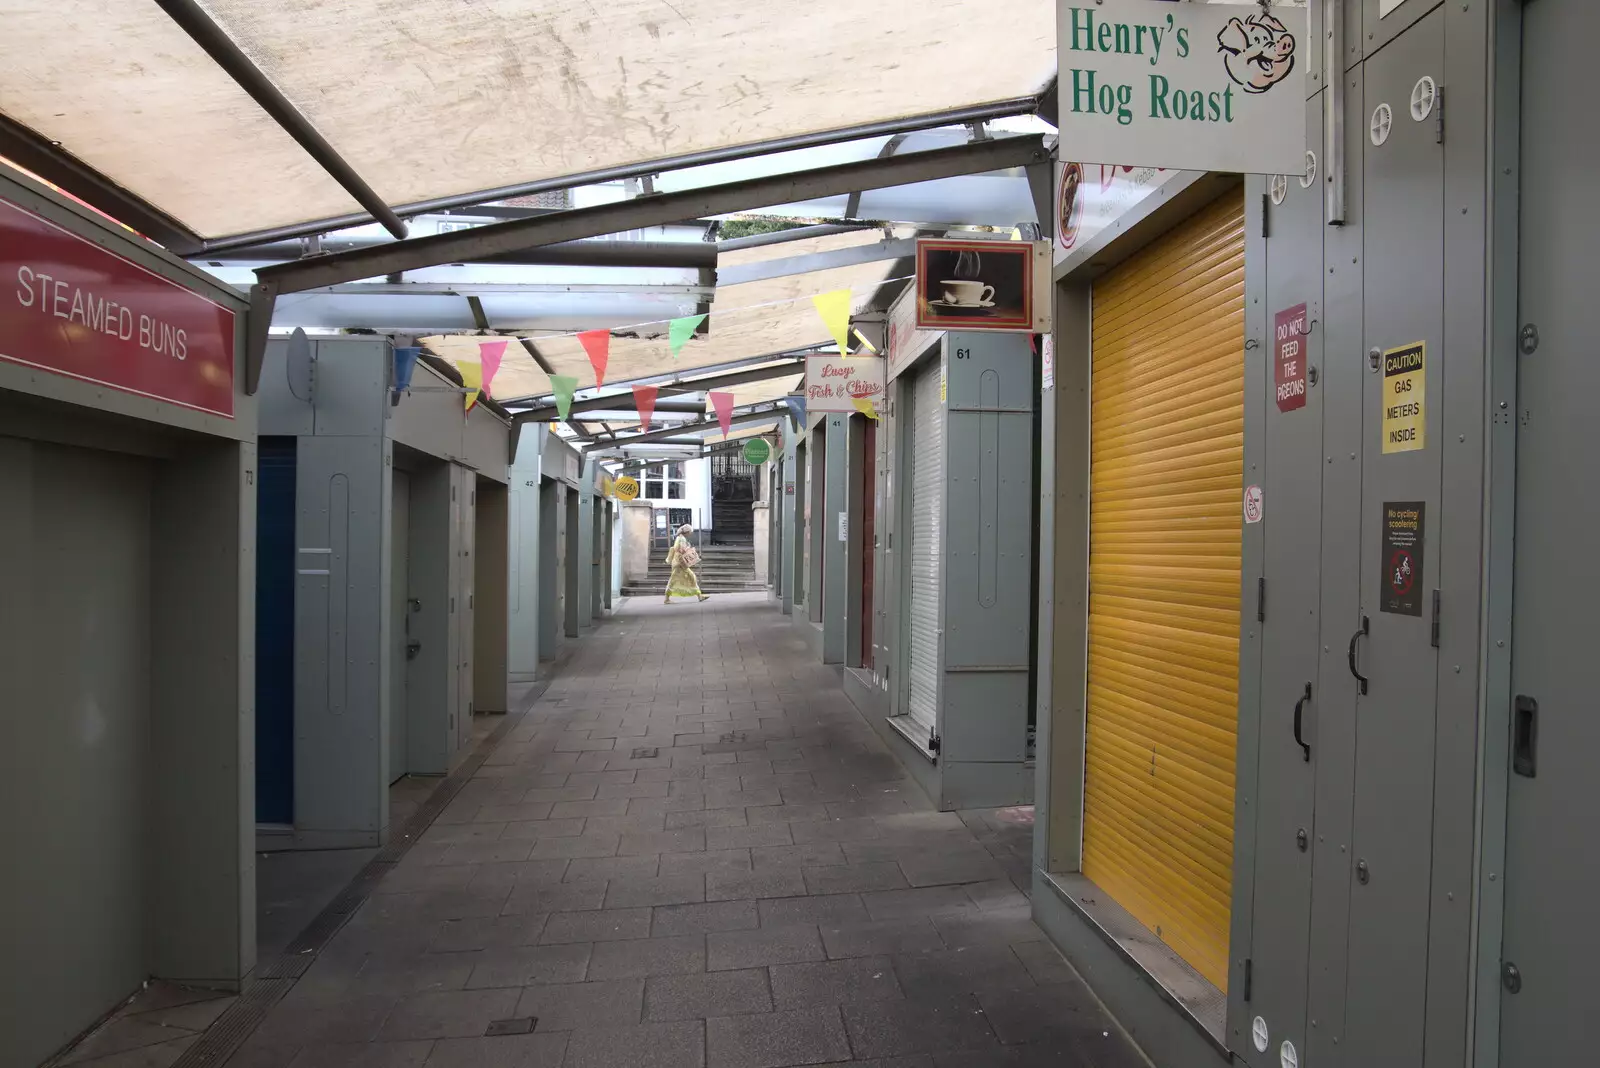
(1167, 441)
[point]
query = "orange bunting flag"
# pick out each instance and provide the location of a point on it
(723, 403)
(597, 343)
(644, 398)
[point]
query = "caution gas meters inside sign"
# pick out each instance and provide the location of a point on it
(1405, 398)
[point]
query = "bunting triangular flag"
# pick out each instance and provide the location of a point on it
(680, 330)
(597, 343)
(865, 406)
(834, 307)
(563, 386)
(405, 361)
(797, 408)
(472, 378)
(723, 403)
(644, 398)
(490, 353)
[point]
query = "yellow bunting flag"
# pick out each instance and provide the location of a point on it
(865, 406)
(834, 307)
(472, 378)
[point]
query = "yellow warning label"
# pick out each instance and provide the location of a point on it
(1405, 398)
(941, 383)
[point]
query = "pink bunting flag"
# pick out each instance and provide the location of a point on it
(723, 403)
(597, 343)
(644, 398)
(490, 353)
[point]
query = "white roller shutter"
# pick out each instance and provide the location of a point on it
(927, 528)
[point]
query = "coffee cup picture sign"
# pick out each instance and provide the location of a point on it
(982, 285)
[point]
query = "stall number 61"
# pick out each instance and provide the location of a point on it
(963, 354)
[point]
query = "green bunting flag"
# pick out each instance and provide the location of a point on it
(564, 387)
(680, 330)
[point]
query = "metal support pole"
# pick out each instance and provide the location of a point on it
(228, 55)
(1334, 165)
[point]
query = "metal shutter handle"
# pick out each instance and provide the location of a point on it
(1299, 709)
(1366, 628)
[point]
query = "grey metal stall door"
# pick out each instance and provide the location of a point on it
(925, 561)
(1289, 756)
(1552, 868)
(400, 620)
(1392, 838)
(467, 602)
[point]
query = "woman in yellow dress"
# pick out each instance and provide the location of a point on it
(681, 556)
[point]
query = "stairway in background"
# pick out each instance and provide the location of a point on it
(723, 569)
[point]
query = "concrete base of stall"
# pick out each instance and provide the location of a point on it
(1174, 1015)
(811, 632)
(953, 785)
(873, 703)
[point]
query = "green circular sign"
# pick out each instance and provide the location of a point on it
(756, 450)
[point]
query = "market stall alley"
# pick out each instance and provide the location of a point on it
(690, 850)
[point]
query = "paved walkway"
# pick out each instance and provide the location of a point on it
(694, 852)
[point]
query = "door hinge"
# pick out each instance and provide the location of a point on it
(1261, 599)
(933, 742)
(1249, 967)
(1438, 115)
(1266, 216)
(1434, 626)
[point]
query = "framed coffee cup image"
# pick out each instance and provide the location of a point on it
(981, 285)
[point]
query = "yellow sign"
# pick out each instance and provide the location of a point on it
(1405, 398)
(626, 488)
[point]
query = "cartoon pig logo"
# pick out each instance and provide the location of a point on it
(1258, 52)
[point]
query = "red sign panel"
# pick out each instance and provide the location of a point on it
(70, 307)
(1289, 330)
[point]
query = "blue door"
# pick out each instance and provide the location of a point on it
(275, 581)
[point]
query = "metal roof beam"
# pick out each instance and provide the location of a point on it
(587, 253)
(794, 233)
(231, 58)
(547, 413)
(497, 238)
(752, 150)
(416, 253)
(817, 261)
(974, 158)
(634, 463)
(769, 416)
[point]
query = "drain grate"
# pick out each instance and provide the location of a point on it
(647, 753)
(517, 1025)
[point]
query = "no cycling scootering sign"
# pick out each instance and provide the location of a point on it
(1191, 86)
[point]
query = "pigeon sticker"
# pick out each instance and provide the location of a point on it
(1257, 53)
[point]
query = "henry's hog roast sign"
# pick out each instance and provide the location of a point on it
(1186, 86)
